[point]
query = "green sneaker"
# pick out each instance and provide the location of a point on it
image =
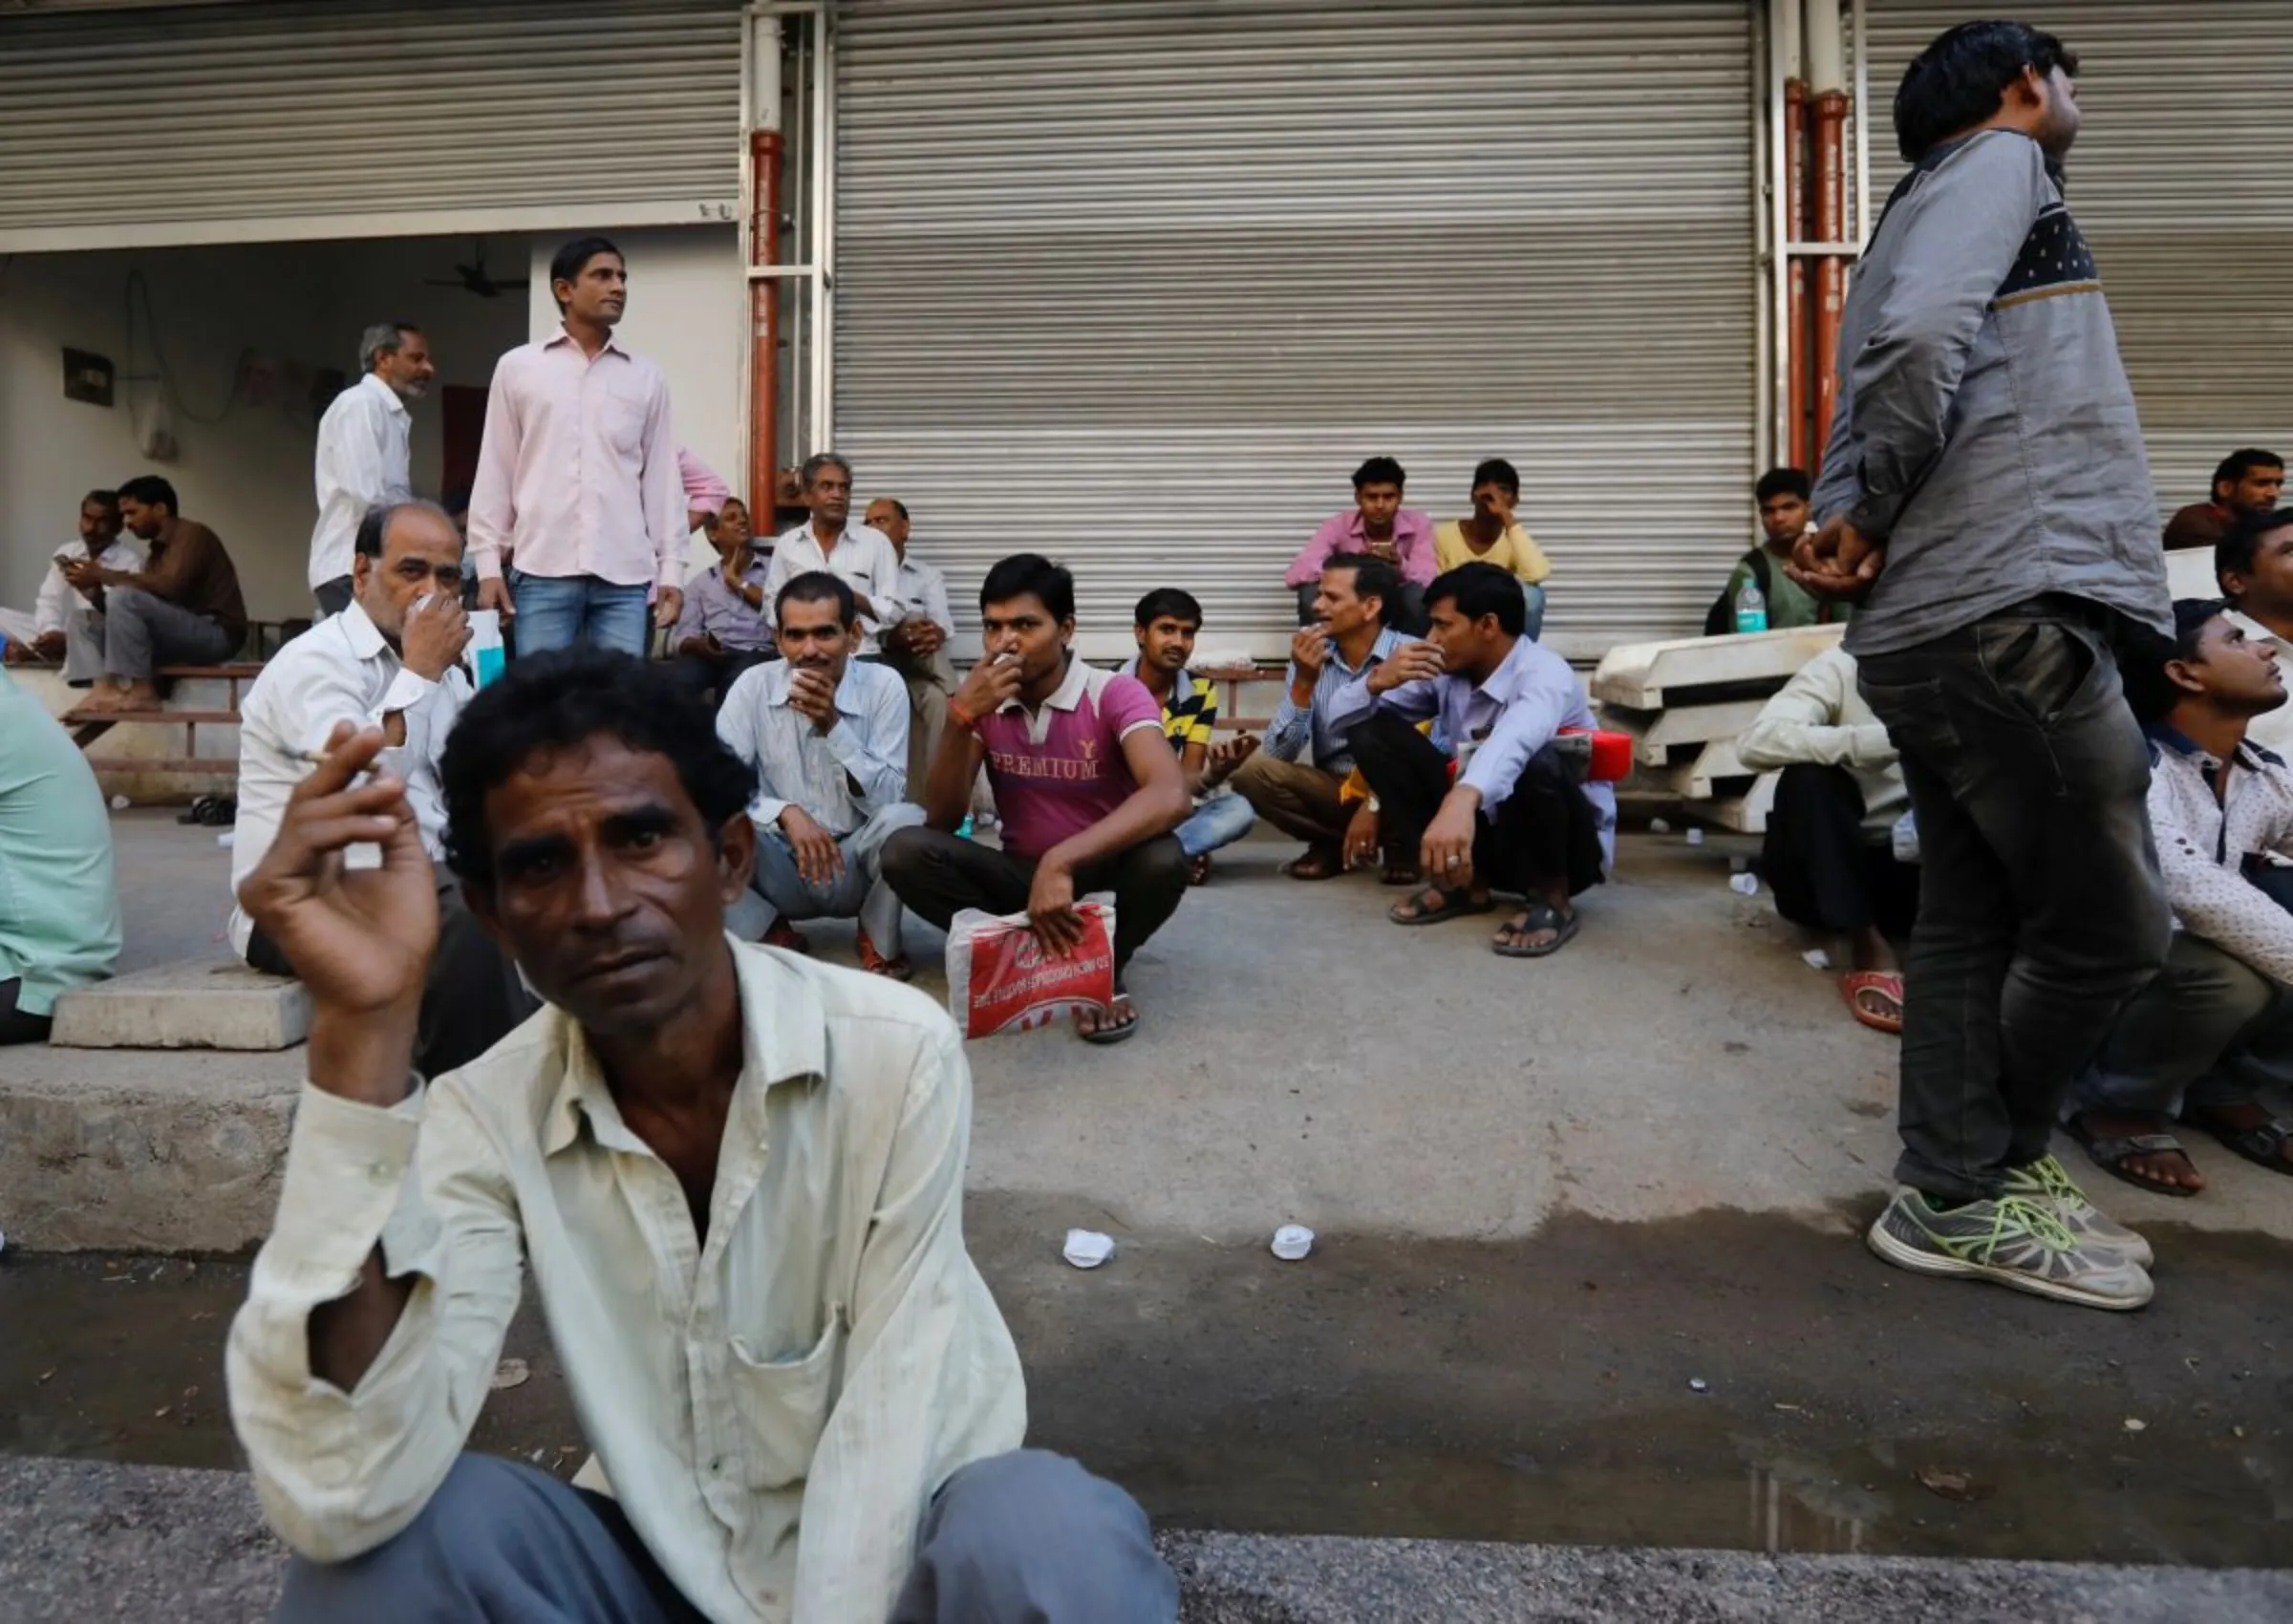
(2015, 1241)
(2048, 1181)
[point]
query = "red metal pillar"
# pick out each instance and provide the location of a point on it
(1830, 271)
(1798, 448)
(764, 327)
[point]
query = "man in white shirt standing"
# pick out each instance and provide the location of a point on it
(918, 648)
(733, 1176)
(578, 496)
(362, 460)
(827, 737)
(864, 559)
(43, 637)
(390, 661)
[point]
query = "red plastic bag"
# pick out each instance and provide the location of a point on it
(1000, 980)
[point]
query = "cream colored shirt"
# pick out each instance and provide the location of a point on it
(773, 1407)
(1820, 717)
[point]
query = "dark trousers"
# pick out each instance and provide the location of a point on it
(1827, 871)
(937, 875)
(2040, 907)
(1543, 834)
(711, 676)
(18, 1026)
(471, 999)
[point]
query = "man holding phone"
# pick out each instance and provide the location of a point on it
(1086, 787)
(390, 660)
(827, 737)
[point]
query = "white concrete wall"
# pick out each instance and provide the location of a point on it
(685, 315)
(247, 474)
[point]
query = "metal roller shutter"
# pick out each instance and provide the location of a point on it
(301, 119)
(1137, 285)
(2174, 179)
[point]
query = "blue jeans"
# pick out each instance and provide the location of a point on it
(556, 612)
(1216, 822)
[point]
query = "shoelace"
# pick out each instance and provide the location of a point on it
(2034, 1217)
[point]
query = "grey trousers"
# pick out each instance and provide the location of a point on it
(136, 634)
(930, 682)
(1025, 1538)
(2210, 1030)
(2040, 907)
(860, 892)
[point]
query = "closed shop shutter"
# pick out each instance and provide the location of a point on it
(275, 120)
(1138, 285)
(2178, 180)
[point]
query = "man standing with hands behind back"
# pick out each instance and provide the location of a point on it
(578, 496)
(1986, 494)
(363, 458)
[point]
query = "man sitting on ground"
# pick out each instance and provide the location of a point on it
(182, 607)
(862, 557)
(2253, 568)
(59, 923)
(1088, 791)
(1493, 535)
(1381, 527)
(2214, 1028)
(388, 661)
(1295, 780)
(1829, 851)
(725, 626)
(1166, 624)
(1492, 801)
(918, 648)
(2247, 482)
(1781, 494)
(46, 634)
(827, 736)
(735, 1177)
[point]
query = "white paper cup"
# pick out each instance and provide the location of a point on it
(1087, 1249)
(1292, 1242)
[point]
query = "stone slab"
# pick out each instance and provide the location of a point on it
(214, 1002)
(83, 1539)
(131, 1151)
(1657, 734)
(1642, 675)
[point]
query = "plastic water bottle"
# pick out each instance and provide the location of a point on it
(1751, 607)
(486, 645)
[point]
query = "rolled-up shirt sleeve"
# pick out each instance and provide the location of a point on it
(339, 1473)
(1522, 729)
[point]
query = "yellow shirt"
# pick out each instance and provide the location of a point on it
(1514, 551)
(774, 1408)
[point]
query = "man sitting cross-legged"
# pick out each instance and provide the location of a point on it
(1166, 624)
(1829, 851)
(2215, 1027)
(733, 1176)
(827, 737)
(1088, 791)
(390, 660)
(1296, 779)
(1493, 800)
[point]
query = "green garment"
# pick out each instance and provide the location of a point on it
(1788, 603)
(59, 899)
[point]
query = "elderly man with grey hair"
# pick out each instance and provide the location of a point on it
(362, 451)
(863, 559)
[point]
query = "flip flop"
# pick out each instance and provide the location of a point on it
(1106, 1034)
(1888, 983)
(2263, 1143)
(2111, 1155)
(1314, 864)
(1544, 916)
(1454, 905)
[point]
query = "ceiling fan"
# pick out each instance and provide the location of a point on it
(472, 278)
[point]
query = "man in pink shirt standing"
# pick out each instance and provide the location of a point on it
(578, 492)
(1381, 526)
(1088, 789)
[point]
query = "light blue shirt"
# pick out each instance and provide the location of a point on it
(1292, 728)
(60, 901)
(1496, 726)
(843, 777)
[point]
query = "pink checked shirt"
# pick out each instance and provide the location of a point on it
(578, 472)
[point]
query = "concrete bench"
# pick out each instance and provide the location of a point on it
(202, 1003)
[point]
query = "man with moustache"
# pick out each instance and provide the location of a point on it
(864, 559)
(827, 736)
(364, 460)
(734, 1177)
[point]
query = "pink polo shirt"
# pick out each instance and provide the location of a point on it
(1060, 769)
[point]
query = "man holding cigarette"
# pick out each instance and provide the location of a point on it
(390, 660)
(827, 737)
